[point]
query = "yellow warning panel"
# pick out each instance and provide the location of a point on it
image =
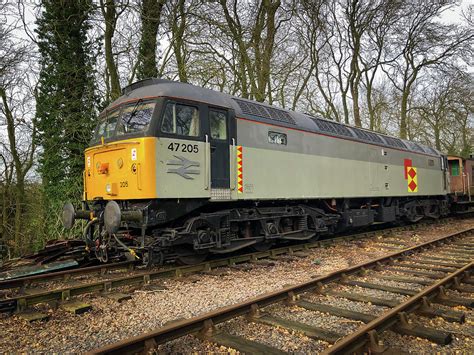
(240, 177)
(412, 179)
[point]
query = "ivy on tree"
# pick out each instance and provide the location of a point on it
(66, 101)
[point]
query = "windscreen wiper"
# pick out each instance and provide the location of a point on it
(134, 111)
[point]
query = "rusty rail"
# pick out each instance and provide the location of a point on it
(102, 269)
(205, 321)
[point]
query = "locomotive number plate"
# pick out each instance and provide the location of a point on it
(183, 147)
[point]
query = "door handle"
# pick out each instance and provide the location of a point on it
(213, 147)
(206, 162)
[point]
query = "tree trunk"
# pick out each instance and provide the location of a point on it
(370, 108)
(150, 18)
(355, 103)
(179, 46)
(345, 107)
(19, 204)
(6, 202)
(354, 80)
(264, 47)
(109, 12)
(408, 82)
(403, 115)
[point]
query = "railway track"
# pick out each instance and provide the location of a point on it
(103, 269)
(426, 275)
(17, 295)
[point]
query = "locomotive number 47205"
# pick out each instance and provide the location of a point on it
(182, 147)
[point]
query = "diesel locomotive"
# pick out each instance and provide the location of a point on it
(178, 172)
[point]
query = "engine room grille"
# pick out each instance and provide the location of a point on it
(370, 136)
(394, 142)
(332, 127)
(430, 150)
(415, 146)
(271, 113)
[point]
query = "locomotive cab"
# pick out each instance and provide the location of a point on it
(152, 160)
(141, 147)
(119, 165)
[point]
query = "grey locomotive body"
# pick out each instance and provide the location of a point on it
(230, 173)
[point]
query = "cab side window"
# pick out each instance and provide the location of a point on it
(218, 124)
(181, 119)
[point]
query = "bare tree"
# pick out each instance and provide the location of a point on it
(375, 55)
(253, 31)
(423, 42)
(16, 94)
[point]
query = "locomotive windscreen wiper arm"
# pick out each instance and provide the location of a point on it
(134, 111)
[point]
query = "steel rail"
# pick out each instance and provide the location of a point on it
(102, 269)
(359, 339)
(184, 327)
(21, 302)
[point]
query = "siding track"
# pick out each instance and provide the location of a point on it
(418, 290)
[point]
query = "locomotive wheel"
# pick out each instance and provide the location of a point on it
(187, 256)
(433, 211)
(412, 216)
(261, 246)
(151, 258)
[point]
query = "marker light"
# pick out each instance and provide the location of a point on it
(104, 168)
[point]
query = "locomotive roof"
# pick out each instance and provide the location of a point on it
(262, 112)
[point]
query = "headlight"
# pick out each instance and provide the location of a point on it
(108, 188)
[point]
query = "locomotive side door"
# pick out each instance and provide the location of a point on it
(220, 135)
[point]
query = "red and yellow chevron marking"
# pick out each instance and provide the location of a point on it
(412, 179)
(240, 177)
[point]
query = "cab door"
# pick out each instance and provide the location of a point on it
(221, 134)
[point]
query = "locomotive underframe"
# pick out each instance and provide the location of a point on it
(188, 230)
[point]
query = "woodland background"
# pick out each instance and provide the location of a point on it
(401, 67)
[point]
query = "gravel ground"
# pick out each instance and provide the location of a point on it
(110, 321)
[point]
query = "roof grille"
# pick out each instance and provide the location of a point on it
(366, 135)
(415, 146)
(332, 127)
(271, 113)
(431, 150)
(395, 142)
